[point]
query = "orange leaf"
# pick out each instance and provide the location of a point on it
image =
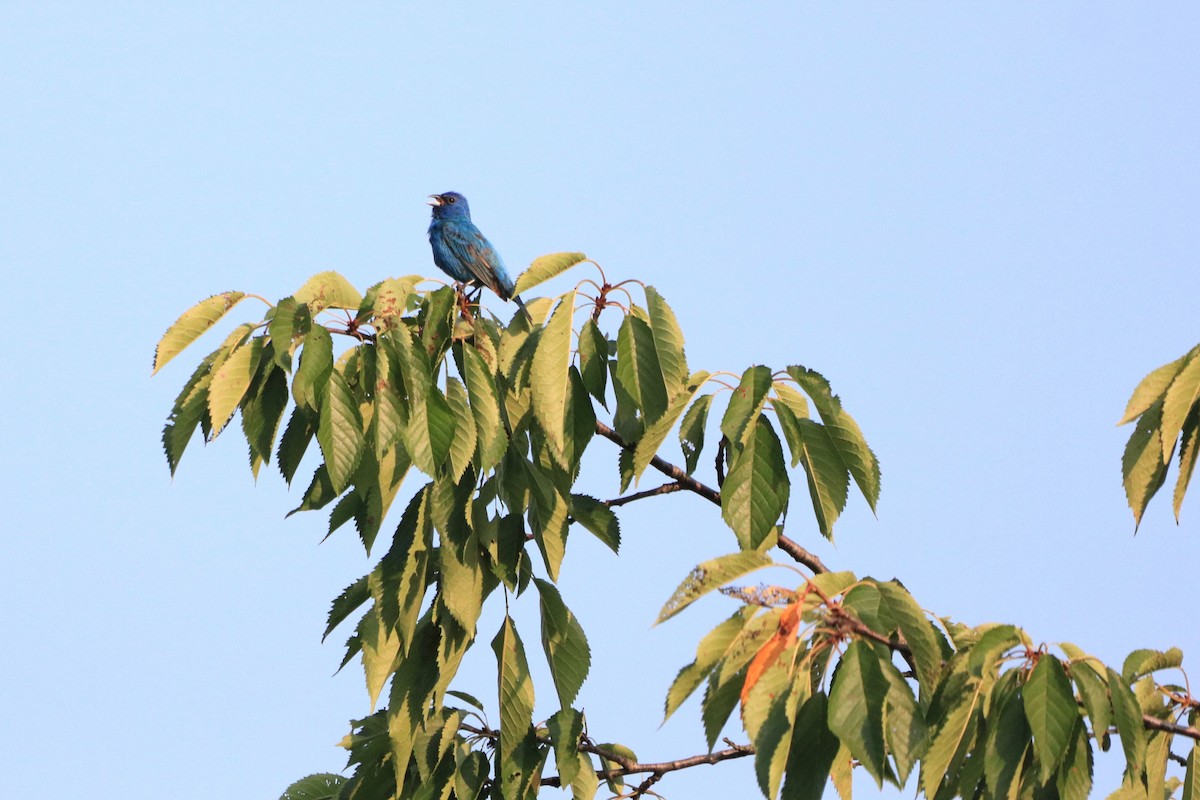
(789, 621)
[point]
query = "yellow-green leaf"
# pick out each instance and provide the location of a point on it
(546, 267)
(230, 382)
(328, 290)
(1152, 388)
(1182, 398)
(191, 324)
(549, 371)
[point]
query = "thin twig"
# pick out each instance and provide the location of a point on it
(666, 468)
(666, 488)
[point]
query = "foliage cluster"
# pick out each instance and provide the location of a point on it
(832, 675)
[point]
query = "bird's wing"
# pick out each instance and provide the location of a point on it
(476, 253)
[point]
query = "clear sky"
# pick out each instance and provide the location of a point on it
(979, 221)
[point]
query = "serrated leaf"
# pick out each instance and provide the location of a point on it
(598, 519)
(390, 303)
(1128, 716)
(328, 290)
(904, 730)
(1075, 776)
(593, 360)
(1151, 389)
(191, 324)
(548, 373)
(756, 490)
(656, 432)
(1093, 691)
(230, 382)
(856, 707)
(1181, 399)
(746, 403)
(340, 431)
(190, 408)
(668, 342)
(720, 698)
(485, 406)
(951, 731)
(319, 492)
(294, 442)
(1050, 710)
(379, 649)
(316, 362)
(430, 432)
(709, 652)
(566, 646)
(515, 687)
(1191, 779)
(462, 446)
(1144, 662)
(1187, 461)
(546, 267)
(845, 436)
(691, 432)
(828, 480)
(262, 412)
(1004, 754)
(811, 753)
(565, 728)
(351, 598)
(319, 786)
(1142, 467)
(991, 645)
(638, 371)
(289, 320)
(711, 575)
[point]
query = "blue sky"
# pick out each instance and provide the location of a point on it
(977, 220)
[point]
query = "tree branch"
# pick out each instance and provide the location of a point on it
(666, 488)
(1156, 724)
(666, 468)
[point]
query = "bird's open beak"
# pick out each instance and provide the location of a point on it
(435, 199)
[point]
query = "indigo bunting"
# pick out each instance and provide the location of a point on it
(462, 252)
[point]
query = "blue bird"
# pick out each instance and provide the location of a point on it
(462, 252)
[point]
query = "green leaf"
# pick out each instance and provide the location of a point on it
(328, 290)
(1191, 779)
(755, 493)
(1093, 690)
(1128, 716)
(566, 728)
(261, 412)
(593, 360)
(1050, 710)
(485, 405)
(856, 707)
(598, 519)
(230, 383)
(711, 575)
(1004, 755)
(994, 643)
(430, 432)
(380, 646)
(294, 442)
(720, 698)
(638, 370)
(1142, 467)
(462, 575)
(549, 376)
(811, 753)
(390, 302)
(845, 436)
(471, 772)
(1144, 662)
(656, 432)
(952, 730)
(1187, 460)
(340, 431)
(1075, 775)
(462, 446)
(711, 650)
(319, 492)
(565, 644)
(316, 362)
(190, 408)
(289, 320)
(827, 477)
(515, 687)
(546, 267)
(904, 730)
(1152, 388)
(191, 324)
(668, 342)
(1182, 398)
(746, 403)
(691, 431)
(549, 514)
(351, 598)
(768, 714)
(320, 786)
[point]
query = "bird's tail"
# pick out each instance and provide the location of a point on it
(521, 305)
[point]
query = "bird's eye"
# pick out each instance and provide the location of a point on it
(451, 199)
